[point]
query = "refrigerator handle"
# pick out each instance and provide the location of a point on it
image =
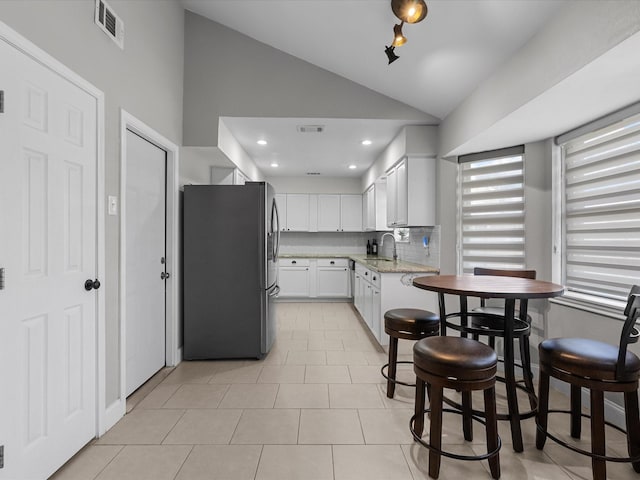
(276, 231)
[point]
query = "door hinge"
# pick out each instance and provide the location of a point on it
(1, 456)
(1, 101)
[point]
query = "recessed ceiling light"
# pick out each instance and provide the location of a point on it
(262, 142)
(275, 165)
(352, 167)
(366, 142)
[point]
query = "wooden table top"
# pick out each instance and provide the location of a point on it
(489, 286)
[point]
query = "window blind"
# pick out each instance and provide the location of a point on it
(601, 205)
(491, 210)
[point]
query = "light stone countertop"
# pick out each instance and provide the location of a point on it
(379, 264)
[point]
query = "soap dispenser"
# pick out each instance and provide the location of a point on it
(374, 247)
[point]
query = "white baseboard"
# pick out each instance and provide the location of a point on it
(112, 415)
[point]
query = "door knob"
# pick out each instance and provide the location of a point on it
(91, 285)
(164, 275)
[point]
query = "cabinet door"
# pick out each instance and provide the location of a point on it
(238, 177)
(281, 202)
(369, 209)
(294, 281)
(297, 212)
(332, 282)
(392, 189)
(351, 213)
(402, 194)
(368, 304)
(357, 297)
(329, 213)
(376, 320)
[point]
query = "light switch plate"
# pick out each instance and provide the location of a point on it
(113, 205)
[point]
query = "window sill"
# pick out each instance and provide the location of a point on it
(587, 303)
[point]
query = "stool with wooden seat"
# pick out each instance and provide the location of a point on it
(465, 365)
(598, 367)
(408, 324)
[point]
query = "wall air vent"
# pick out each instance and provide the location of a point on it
(109, 22)
(310, 128)
(313, 173)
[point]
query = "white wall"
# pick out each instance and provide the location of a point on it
(315, 184)
(578, 35)
(145, 79)
(230, 74)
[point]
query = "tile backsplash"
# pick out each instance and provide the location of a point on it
(356, 242)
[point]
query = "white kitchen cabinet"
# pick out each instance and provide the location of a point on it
(351, 213)
(377, 293)
(294, 277)
(375, 207)
(297, 212)
(227, 176)
(369, 209)
(332, 278)
(339, 213)
(329, 213)
(411, 193)
(281, 202)
(392, 196)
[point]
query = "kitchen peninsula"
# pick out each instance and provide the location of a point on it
(376, 284)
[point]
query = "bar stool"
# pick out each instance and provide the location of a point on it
(409, 324)
(465, 365)
(598, 367)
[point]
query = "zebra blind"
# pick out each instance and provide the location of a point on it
(491, 210)
(601, 227)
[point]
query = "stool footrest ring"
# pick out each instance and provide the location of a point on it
(585, 452)
(393, 380)
(455, 456)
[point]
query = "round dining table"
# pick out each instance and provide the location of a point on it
(510, 289)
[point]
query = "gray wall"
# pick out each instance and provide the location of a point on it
(230, 74)
(145, 79)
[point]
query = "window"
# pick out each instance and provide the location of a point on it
(491, 210)
(599, 223)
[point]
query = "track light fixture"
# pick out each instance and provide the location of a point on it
(391, 54)
(398, 38)
(408, 11)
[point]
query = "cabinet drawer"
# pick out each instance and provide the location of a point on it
(333, 262)
(374, 278)
(294, 262)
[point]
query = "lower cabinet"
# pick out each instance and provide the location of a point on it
(314, 278)
(332, 278)
(294, 278)
(375, 293)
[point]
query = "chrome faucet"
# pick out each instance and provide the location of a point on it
(395, 252)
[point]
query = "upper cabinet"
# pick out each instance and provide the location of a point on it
(339, 213)
(298, 212)
(375, 207)
(411, 193)
(227, 176)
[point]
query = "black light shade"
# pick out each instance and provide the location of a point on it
(391, 55)
(409, 11)
(398, 38)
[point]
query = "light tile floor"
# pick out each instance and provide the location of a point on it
(315, 408)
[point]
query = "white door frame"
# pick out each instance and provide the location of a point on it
(172, 350)
(22, 44)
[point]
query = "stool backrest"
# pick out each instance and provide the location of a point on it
(531, 274)
(629, 333)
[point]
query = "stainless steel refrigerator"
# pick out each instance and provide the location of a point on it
(230, 270)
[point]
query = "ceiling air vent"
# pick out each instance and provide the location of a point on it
(313, 173)
(109, 22)
(310, 128)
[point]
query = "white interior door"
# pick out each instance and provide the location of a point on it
(48, 161)
(145, 254)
